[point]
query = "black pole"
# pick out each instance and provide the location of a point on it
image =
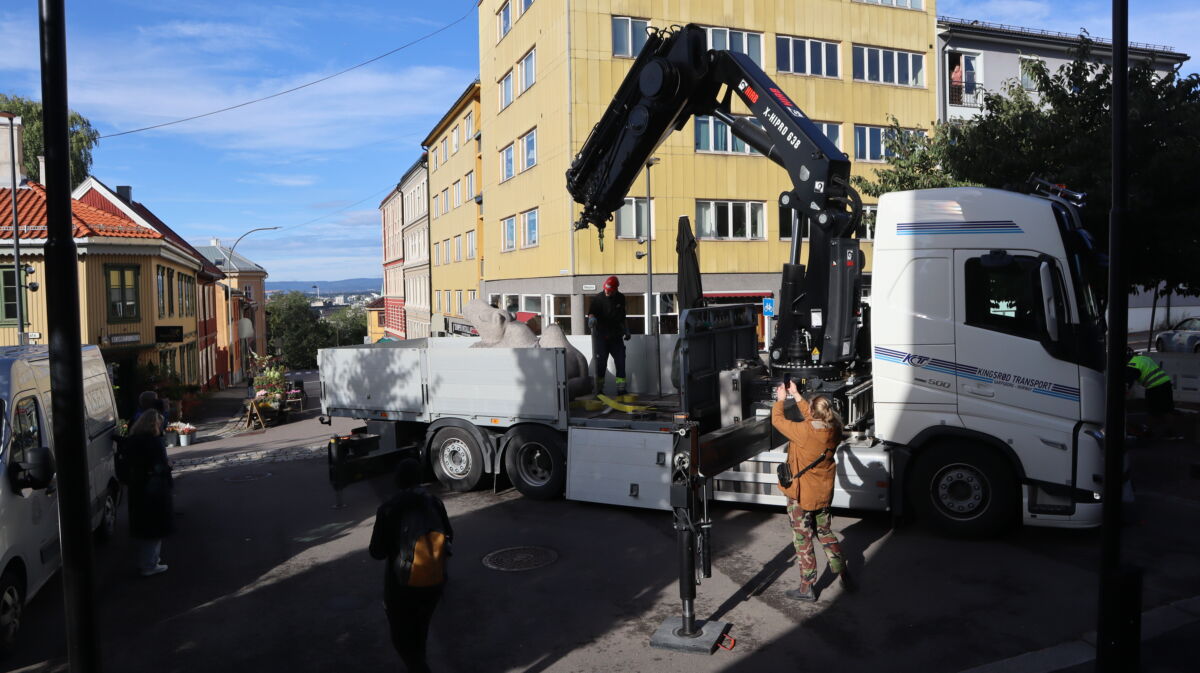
(1118, 624)
(66, 363)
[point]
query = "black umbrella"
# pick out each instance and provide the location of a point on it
(691, 290)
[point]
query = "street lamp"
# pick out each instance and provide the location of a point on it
(229, 292)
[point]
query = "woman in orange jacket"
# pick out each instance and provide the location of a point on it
(811, 447)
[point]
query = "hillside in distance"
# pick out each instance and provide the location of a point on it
(328, 287)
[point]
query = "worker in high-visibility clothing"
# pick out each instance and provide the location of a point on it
(1144, 371)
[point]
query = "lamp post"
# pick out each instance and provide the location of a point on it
(16, 231)
(229, 294)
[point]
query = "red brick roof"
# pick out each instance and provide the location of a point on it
(87, 220)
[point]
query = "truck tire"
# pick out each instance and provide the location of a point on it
(12, 606)
(457, 459)
(963, 490)
(536, 462)
(1159, 346)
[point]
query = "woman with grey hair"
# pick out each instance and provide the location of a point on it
(151, 490)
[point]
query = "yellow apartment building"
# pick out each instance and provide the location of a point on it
(455, 171)
(548, 70)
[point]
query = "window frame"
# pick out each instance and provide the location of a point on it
(875, 61)
(525, 153)
(137, 300)
(632, 202)
(807, 51)
(528, 72)
(537, 234)
(506, 87)
(504, 20)
(508, 233)
(629, 35)
(470, 252)
(20, 294)
(508, 161)
(710, 123)
(745, 39)
(729, 203)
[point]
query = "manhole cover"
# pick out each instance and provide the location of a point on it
(515, 559)
(248, 477)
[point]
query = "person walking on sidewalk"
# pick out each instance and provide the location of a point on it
(809, 484)
(606, 321)
(413, 533)
(151, 512)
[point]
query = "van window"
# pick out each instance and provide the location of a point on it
(97, 400)
(1005, 297)
(27, 433)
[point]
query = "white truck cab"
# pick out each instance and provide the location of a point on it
(29, 533)
(987, 350)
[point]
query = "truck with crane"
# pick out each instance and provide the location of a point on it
(972, 386)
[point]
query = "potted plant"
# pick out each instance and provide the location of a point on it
(185, 433)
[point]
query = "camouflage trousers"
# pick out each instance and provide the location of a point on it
(804, 524)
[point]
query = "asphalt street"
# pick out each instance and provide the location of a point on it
(266, 575)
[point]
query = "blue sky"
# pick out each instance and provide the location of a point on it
(318, 161)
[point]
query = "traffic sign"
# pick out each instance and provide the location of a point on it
(769, 307)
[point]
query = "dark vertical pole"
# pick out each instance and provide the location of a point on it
(66, 365)
(1120, 588)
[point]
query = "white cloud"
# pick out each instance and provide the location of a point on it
(281, 180)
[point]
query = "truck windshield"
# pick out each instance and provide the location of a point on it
(1086, 272)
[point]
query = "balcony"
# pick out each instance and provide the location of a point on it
(966, 95)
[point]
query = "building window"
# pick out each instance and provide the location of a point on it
(787, 217)
(437, 301)
(731, 220)
(508, 234)
(435, 205)
(866, 226)
(529, 228)
(470, 185)
(506, 90)
(469, 125)
(506, 163)
(902, 4)
(714, 135)
(458, 302)
(458, 248)
(445, 147)
(160, 285)
(833, 131)
(170, 292)
(470, 295)
(529, 150)
(445, 200)
(446, 251)
(802, 56)
(888, 66)
(10, 297)
(121, 287)
(1027, 63)
(740, 41)
(870, 142)
(633, 218)
(457, 193)
(525, 5)
(503, 21)
(433, 160)
(528, 70)
(435, 253)
(964, 79)
(471, 244)
(454, 140)
(628, 36)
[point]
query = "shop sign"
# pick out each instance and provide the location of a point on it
(167, 334)
(125, 339)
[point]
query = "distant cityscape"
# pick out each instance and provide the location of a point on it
(328, 287)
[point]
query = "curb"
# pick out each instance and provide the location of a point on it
(1155, 622)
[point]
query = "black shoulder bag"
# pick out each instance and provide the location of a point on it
(784, 470)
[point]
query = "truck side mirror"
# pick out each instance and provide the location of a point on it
(1049, 299)
(36, 471)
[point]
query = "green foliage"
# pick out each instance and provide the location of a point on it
(1064, 133)
(82, 137)
(916, 162)
(349, 325)
(295, 330)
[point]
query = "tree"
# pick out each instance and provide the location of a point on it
(349, 326)
(915, 161)
(296, 330)
(83, 138)
(1063, 133)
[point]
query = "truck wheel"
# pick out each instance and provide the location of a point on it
(457, 459)
(536, 462)
(1159, 346)
(12, 604)
(108, 515)
(964, 491)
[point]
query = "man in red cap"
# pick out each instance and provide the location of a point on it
(606, 321)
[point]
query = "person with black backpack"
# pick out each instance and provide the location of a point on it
(413, 533)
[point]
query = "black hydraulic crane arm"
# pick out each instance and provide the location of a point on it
(676, 77)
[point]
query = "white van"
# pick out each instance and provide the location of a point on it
(29, 535)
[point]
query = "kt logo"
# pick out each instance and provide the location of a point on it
(917, 360)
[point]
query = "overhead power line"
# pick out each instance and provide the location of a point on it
(338, 210)
(302, 86)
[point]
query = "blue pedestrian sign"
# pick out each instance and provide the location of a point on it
(769, 307)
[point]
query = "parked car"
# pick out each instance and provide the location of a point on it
(1184, 337)
(29, 535)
